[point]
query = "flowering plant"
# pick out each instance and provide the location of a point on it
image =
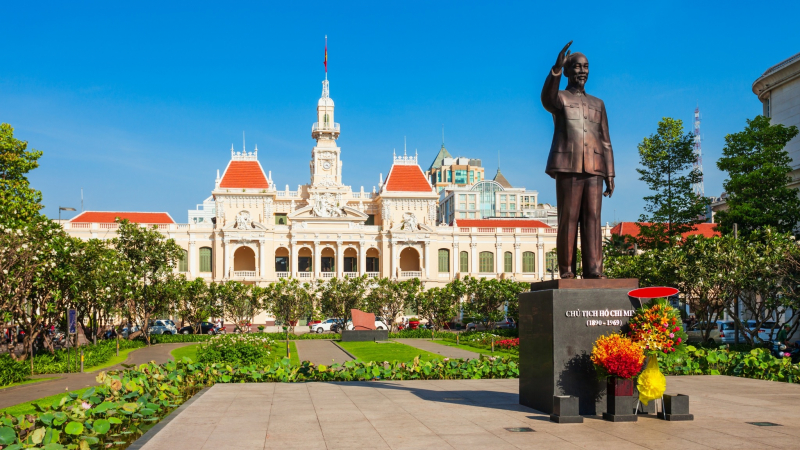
(508, 343)
(618, 356)
(657, 326)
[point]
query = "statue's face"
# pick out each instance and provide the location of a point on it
(578, 71)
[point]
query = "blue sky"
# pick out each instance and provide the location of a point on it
(139, 104)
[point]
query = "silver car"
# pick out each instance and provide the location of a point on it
(162, 326)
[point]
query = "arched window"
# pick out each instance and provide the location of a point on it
(508, 263)
(327, 119)
(183, 261)
(205, 259)
(463, 261)
(528, 262)
(444, 260)
(486, 262)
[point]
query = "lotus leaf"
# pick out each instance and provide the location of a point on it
(74, 428)
(7, 435)
(101, 426)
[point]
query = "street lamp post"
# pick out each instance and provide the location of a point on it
(63, 208)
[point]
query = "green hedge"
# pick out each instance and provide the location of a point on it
(235, 349)
(13, 371)
(93, 355)
(419, 334)
(130, 402)
(175, 338)
(757, 363)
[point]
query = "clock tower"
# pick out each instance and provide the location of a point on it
(326, 164)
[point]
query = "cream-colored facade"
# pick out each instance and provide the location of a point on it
(259, 233)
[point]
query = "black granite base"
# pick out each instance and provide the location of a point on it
(565, 410)
(676, 408)
(364, 335)
(620, 417)
(557, 329)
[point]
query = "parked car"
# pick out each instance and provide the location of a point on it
(695, 333)
(767, 332)
(325, 325)
(205, 328)
(162, 326)
(379, 324)
(504, 323)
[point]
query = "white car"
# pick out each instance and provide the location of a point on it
(324, 326)
(380, 324)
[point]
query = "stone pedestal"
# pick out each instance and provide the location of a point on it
(565, 410)
(676, 408)
(559, 321)
(620, 401)
(364, 335)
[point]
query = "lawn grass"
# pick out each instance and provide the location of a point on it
(391, 351)
(277, 353)
(29, 408)
(123, 355)
(20, 383)
(180, 352)
(497, 351)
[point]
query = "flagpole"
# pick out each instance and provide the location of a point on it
(326, 57)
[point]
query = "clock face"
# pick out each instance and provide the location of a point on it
(326, 165)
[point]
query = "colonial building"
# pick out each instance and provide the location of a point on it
(251, 231)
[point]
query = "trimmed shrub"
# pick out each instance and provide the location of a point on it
(93, 355)
(235, 349)
(13, 371)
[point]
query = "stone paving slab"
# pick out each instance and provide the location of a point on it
(320, 352)
(469, 414)
(159, 353)
(439, 349)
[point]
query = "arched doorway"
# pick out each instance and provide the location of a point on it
(373, 261)
(282, 263)
(327, 260)
(409, 263)
(244, 262)
(305, 261)
(350, 261)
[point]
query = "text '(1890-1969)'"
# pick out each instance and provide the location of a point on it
(601, 317)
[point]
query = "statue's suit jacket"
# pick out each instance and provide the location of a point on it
(581, 143)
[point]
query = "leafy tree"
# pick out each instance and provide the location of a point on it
(673, 207)
(197, 304)
(338, 296)
(289, 300)
(758, 169)
(439, 305)
(489, 298)
(618, 245)
(150, 259)
(37, 263)
(389, 298)
(19, 204)
(240, 302)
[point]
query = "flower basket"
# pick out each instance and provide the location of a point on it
(413, 325)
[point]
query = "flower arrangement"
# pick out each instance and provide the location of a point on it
(657, 327)
(618, 356)
(508, 344)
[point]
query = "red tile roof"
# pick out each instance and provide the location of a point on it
(407, 179)
(244, 175)
(111, 216)
(500, 223)
(631, 229)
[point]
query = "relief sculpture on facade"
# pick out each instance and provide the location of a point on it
(409, 222)
(326, 205)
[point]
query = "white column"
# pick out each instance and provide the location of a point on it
(226, 262)
(473, 246)
(293, 259)
(427, 259)
(317, 259)
(393, 263)
(339, 259)
(517, 258)
(263, 253)
(540, 260)
(362, 258)
(192, 259)
(499, 259)
(456, 261)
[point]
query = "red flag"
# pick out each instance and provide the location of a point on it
(326, 54)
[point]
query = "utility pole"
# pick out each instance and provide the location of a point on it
(736, 300)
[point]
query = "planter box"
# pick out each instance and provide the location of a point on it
(364, 335)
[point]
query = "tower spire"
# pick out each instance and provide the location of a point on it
(442, 135)
(698, 153)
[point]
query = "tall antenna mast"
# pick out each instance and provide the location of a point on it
(698, 163)
(244, 148)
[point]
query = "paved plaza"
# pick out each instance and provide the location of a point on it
(467, 414)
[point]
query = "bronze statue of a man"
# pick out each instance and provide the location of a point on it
(580, 159)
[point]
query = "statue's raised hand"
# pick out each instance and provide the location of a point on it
(562, 57)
